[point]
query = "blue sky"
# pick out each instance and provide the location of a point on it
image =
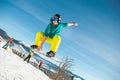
(94, 44)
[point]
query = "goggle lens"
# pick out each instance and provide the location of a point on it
(55, 19)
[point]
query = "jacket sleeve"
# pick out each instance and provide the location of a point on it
(64, 24)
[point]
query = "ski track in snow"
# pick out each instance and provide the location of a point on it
(13, 67)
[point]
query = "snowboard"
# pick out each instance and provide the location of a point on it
(44, 54)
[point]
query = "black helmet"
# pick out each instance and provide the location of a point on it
(59, 17)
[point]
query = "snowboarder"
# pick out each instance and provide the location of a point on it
(51, 35)
(8, 43)
(29, 56)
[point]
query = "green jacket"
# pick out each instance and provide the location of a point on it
(52, 30)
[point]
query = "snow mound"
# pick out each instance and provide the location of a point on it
(14, 68)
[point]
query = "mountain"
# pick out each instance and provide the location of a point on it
(21, 45)
(4, 35)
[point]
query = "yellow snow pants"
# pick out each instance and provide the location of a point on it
(54, 42)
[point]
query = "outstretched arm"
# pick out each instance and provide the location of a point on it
(72, 24)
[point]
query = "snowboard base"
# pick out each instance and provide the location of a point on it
(44, 54)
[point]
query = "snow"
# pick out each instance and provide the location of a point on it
(54, 60)
(22, 42)
(13, 67)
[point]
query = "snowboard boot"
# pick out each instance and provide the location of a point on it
(33, 46)
(50, 54)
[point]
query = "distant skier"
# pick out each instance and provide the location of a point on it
(29, 56)
(0, 39)
(51, 35)
(40, 64)
(23, 55)
(8, 43)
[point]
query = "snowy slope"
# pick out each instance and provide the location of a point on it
(14, 68)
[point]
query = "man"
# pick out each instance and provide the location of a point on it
(40, 64)
(8, 43)
(51, 35)
(29, 56)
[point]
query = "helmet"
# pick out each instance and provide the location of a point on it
(59, 17)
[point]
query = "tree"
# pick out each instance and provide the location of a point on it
(61, 71)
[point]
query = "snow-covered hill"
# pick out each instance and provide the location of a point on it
(22, 47)
(14, 68)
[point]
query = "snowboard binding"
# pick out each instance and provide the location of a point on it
(33, 46)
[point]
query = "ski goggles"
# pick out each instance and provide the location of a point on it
(55, 19)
